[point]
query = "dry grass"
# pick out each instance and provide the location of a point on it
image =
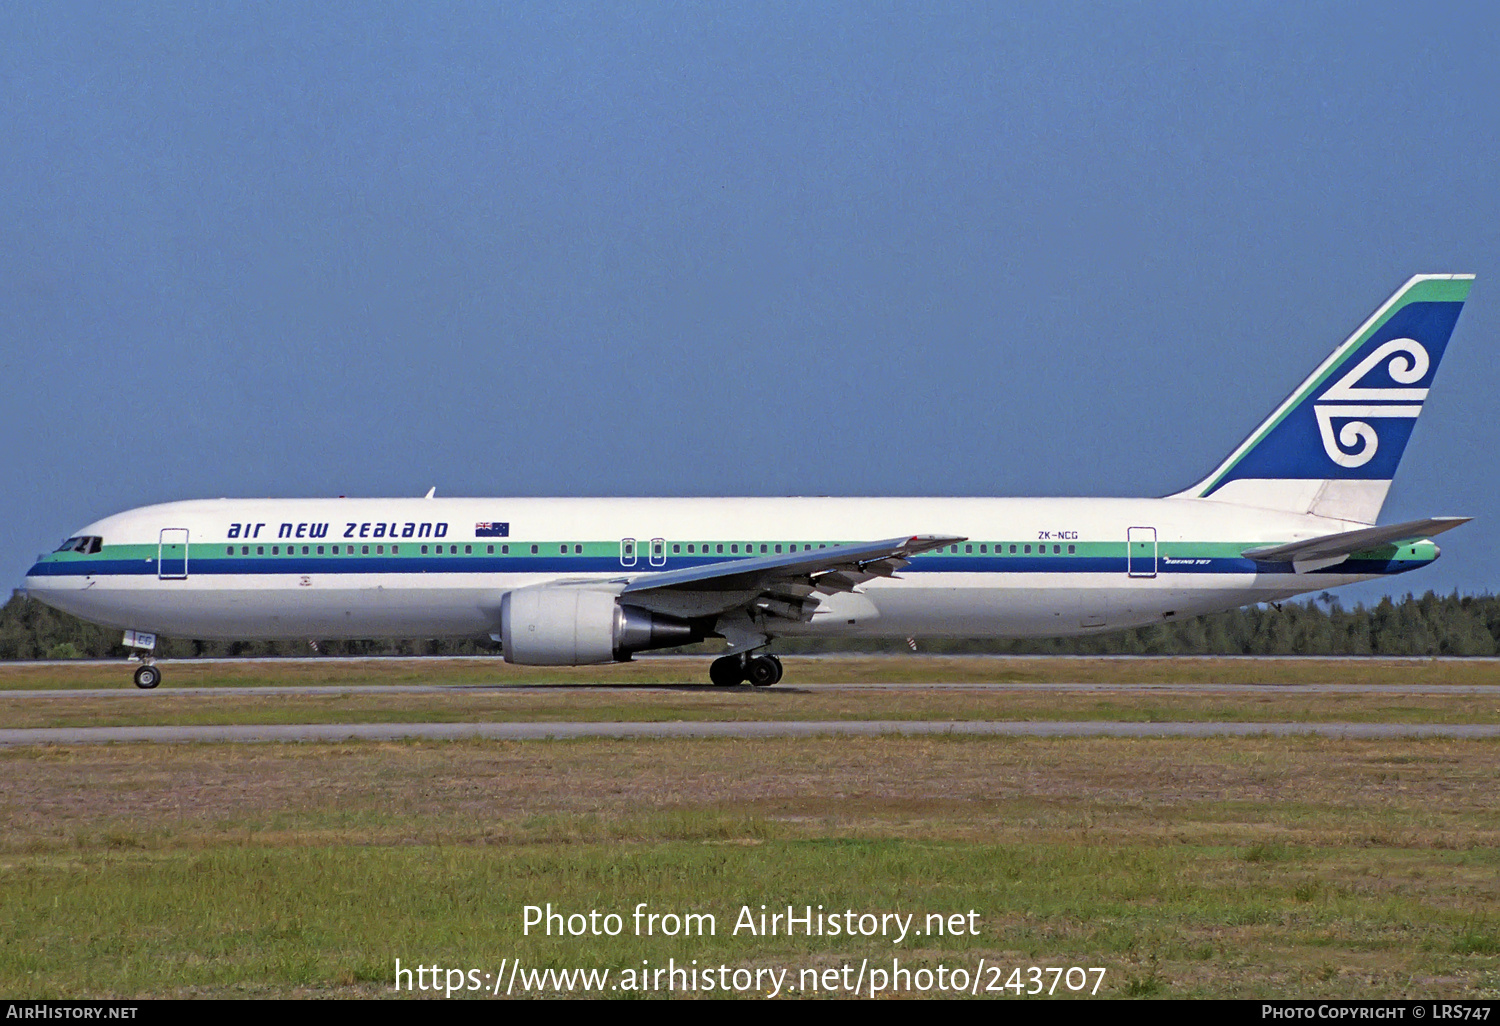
(995, 702)
(1422, 794)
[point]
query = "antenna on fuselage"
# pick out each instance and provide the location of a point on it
(430, 492)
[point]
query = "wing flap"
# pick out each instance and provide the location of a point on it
(787, 586)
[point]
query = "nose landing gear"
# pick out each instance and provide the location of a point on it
(762, 671)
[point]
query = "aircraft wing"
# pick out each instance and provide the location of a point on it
(787, 586)
(1330, 549)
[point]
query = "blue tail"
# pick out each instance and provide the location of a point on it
(1332, 448)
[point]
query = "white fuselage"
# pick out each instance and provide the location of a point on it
(245, 569)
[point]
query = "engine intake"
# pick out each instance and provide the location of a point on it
(549, 625)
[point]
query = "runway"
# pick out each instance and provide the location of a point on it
(336, 732)
(789, 687)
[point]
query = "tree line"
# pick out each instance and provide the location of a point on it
(1431, 625)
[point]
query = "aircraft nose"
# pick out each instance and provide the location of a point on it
(38, 581)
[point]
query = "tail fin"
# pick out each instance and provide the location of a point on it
(1332, 447)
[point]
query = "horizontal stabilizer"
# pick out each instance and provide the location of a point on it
(1335, 548)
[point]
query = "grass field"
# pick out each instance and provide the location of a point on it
(1253, 867)
(691, 671)
(617, 705)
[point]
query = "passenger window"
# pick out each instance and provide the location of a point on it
(364, 550)
(720, 548)
(734, 549)
(489, 550)
(1057, 550)
(424, 550)
(275, 550)
(1071, 550)
(505, 550)
(562, 550)
(984, 549)
(676, 549)
(468, 550)
(953, 548)
(320, 550)
(229, 551)
(762, 546)
(1028, 549)
(244, 550)
(968, 548)
(577, 550)
(380, 550)
(533, 550)
(260, 550)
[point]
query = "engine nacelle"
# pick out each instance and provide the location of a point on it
(553, 625)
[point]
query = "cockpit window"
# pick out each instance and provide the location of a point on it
(86, 544)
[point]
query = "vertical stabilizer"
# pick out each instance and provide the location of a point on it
(1331, 449)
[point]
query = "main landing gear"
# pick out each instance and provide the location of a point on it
(147, 676)
(762, 671)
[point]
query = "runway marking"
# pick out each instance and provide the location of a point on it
(335, 732)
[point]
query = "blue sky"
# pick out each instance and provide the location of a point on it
(687, 249)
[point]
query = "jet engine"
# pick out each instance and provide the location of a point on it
(554, 625)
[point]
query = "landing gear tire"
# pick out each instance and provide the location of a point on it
(726, 672)
(779, 669)
(147, 677)
(763, 671)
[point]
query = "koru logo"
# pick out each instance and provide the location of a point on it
(1357, 441)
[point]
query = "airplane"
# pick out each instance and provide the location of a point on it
(1290, 510)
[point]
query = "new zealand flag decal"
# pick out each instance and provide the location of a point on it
(491, 530)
